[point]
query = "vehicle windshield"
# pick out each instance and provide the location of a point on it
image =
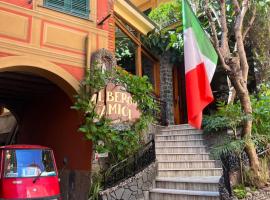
(21, 163)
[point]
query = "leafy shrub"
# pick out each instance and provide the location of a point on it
(96, 186)
(230, 116)
(118, 143)
(227, 116)
(240, 191)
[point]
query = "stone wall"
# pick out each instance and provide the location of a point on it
(134, 188)
(166, 85)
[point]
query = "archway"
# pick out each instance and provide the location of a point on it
(40, 94)
(41, 68)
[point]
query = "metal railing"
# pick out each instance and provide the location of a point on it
(130, 166)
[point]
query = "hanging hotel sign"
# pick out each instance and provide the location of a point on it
(115, 103)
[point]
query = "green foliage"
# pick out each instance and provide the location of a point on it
(125, 48)
(230, 116)
(252, 180)
(227, 146)
(240, 191)
(96, 186)
(166, 13)
(261, 111)
(168, 35)
(227, 116)
(105, 137)
(259, 39)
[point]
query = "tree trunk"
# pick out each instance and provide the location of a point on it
(240, 86)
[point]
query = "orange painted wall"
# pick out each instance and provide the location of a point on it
(22, 3)
(50, 122)
(102, 12)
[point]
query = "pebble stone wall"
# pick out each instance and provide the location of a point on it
(134, 188)
(166, 85)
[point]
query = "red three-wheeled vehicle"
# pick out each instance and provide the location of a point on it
(28, 172)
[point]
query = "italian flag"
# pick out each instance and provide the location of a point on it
(200, 64)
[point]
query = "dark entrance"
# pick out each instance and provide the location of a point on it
(44, 117)
(179, 95)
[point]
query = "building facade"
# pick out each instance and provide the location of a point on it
(172, 76)
(45, 48)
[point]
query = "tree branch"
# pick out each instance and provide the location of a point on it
(236, 6)
(215, 37)
(250, 23)
(239, 39)
(224, 29)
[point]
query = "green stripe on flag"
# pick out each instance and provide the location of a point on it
(191, 21)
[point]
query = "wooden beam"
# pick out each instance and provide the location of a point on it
(157, 78)
(138, 61)
(122, 27)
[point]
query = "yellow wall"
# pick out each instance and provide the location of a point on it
(49, 35)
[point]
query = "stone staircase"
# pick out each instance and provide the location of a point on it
(185, 170)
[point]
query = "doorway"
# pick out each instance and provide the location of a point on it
(179, 94)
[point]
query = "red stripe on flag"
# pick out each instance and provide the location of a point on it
(199, 94)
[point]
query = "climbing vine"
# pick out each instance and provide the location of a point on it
(119, 141)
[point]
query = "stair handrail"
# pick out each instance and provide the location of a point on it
(130, 166)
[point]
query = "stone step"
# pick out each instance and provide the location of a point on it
(181, 137)
(207, 183)
(188, 164)
(181, 149)
(189, 172)
(179, 126)
(179, 131)
(182, 156)
(172, 194)
(166, 143)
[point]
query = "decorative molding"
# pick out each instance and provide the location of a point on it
(43, 13)
(52, 41)
(17, 49)
(21, 25)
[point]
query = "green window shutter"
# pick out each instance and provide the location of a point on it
(80, 7)
(74, 7)
(59, 4)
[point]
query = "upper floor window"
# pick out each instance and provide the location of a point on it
(78, 8)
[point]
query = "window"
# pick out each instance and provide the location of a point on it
(78, 8)
(23, 163)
